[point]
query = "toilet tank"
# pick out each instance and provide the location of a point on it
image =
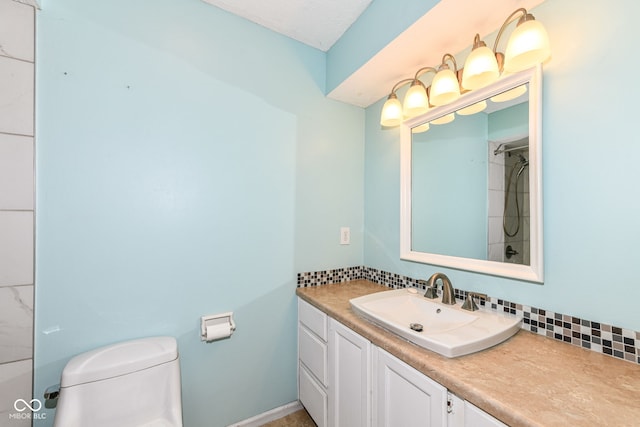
(128, 384)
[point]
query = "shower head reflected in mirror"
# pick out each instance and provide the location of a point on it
(523, 162)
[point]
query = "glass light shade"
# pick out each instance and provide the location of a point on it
(510, 94)
(415, 101)
(473, 108)
(480, 69)
(444, 119)
(527, 46)
(391, 112)
(422, 128)
(444, 88)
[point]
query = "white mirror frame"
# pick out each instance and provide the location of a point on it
(533, 272)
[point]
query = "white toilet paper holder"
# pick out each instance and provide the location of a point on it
(223, 320)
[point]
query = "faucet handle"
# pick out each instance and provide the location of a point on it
(432, 291)
(469, 303)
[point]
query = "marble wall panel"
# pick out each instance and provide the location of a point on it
(16, 30)
(16, 248)
(16, 172)
(16, 323)
(15, 380)
(16, 102)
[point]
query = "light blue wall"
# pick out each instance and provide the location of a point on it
(378, 25)
(188, 163)
(590, 173)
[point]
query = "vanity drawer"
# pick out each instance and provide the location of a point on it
(313, 353)
(313, 319)
(313, 397)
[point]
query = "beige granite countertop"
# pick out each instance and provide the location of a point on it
(529, 380)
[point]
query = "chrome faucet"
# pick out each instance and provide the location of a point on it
(448, 294)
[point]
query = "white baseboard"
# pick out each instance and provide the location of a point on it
(271, 415)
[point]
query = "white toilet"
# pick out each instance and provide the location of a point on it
(128, 384)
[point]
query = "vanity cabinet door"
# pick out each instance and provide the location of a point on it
(476, 417)
(465, 414)
(349, 377)
(404, 396)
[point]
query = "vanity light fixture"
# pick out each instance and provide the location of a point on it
(416, 100)
(527, 46)
(481, 68)
(445, 87)
(392, 109)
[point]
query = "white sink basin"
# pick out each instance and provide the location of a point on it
(447, 329)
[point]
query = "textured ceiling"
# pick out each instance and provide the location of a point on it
(317, 23)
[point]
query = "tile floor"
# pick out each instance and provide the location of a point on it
(297, 419)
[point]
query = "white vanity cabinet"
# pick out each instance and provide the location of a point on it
(346, 381)
(404, 396)
(312, 365)
(349, 377)
(465, 414)
(334, 370)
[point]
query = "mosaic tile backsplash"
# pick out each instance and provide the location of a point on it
(606, 339)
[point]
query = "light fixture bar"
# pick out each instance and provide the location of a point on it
(527, 46)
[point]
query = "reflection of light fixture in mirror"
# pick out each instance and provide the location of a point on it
(510, 94)
(481, 67)
(444, 119)
(473, 108)
(416, 101)
(445, 87)
(422, 128)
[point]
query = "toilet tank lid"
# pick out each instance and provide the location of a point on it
(119, 359)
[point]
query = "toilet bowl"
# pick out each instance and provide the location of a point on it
(128, 384)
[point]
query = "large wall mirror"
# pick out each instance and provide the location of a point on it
(471, 184)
